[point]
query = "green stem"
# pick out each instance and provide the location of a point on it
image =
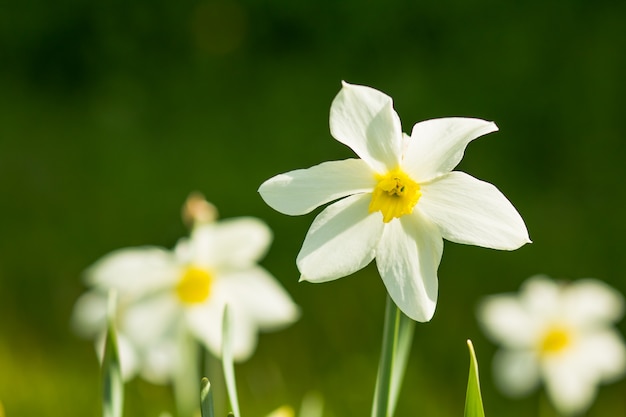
(397, 338)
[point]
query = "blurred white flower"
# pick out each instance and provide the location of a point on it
(396, 202)
(164, 295)
(559, 333)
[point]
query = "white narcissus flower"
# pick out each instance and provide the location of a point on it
(396, 203)
(165, 293)
(559, 333)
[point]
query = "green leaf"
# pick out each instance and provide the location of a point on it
(227, 361)
(112, 382)
(206, 399)
(473, 399)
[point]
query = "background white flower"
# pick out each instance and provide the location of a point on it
(165, 294)
(559, 333)
(396, 203)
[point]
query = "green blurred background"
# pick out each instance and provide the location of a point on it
(112, 112)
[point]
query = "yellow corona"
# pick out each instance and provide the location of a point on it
(194, 286)
(395, 195)
(555, 340)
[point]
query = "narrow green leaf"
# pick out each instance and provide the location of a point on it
(112, 382)
(473, 399)
(227, 361)
(206, 398)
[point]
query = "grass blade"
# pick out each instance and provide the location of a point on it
(206, 399)
(473, 399)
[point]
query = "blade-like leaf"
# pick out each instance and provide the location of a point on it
(227, 361)
(112, 382)
(206, 399)
(473, 399)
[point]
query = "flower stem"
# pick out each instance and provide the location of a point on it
(397, 339)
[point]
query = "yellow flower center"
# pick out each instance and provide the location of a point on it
(194, 285)
(556, 339)
(395, 195)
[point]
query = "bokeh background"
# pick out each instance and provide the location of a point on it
(112, 112)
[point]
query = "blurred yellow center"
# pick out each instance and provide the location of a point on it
(555, 340)
(395, 195)
(194, 285)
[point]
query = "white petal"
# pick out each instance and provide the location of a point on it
(151, 319)
(473, 212)
(436, 146)
(407, 258)
(300, 191)
(364, 119)
(507, 322)
(134, 271)
(602, 354)
(205, 321)
(515, 372)
(341, 240)
(541, 296)
(89, 315)
(591, 302)
(236, 242)
(129, 360)
(570, 386)
(160, 361)
(261, 296)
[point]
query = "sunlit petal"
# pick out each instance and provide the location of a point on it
(436, 146)
(341, 240)
(364, 119)
(300, 191)
(473, 212)
(407, 258)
